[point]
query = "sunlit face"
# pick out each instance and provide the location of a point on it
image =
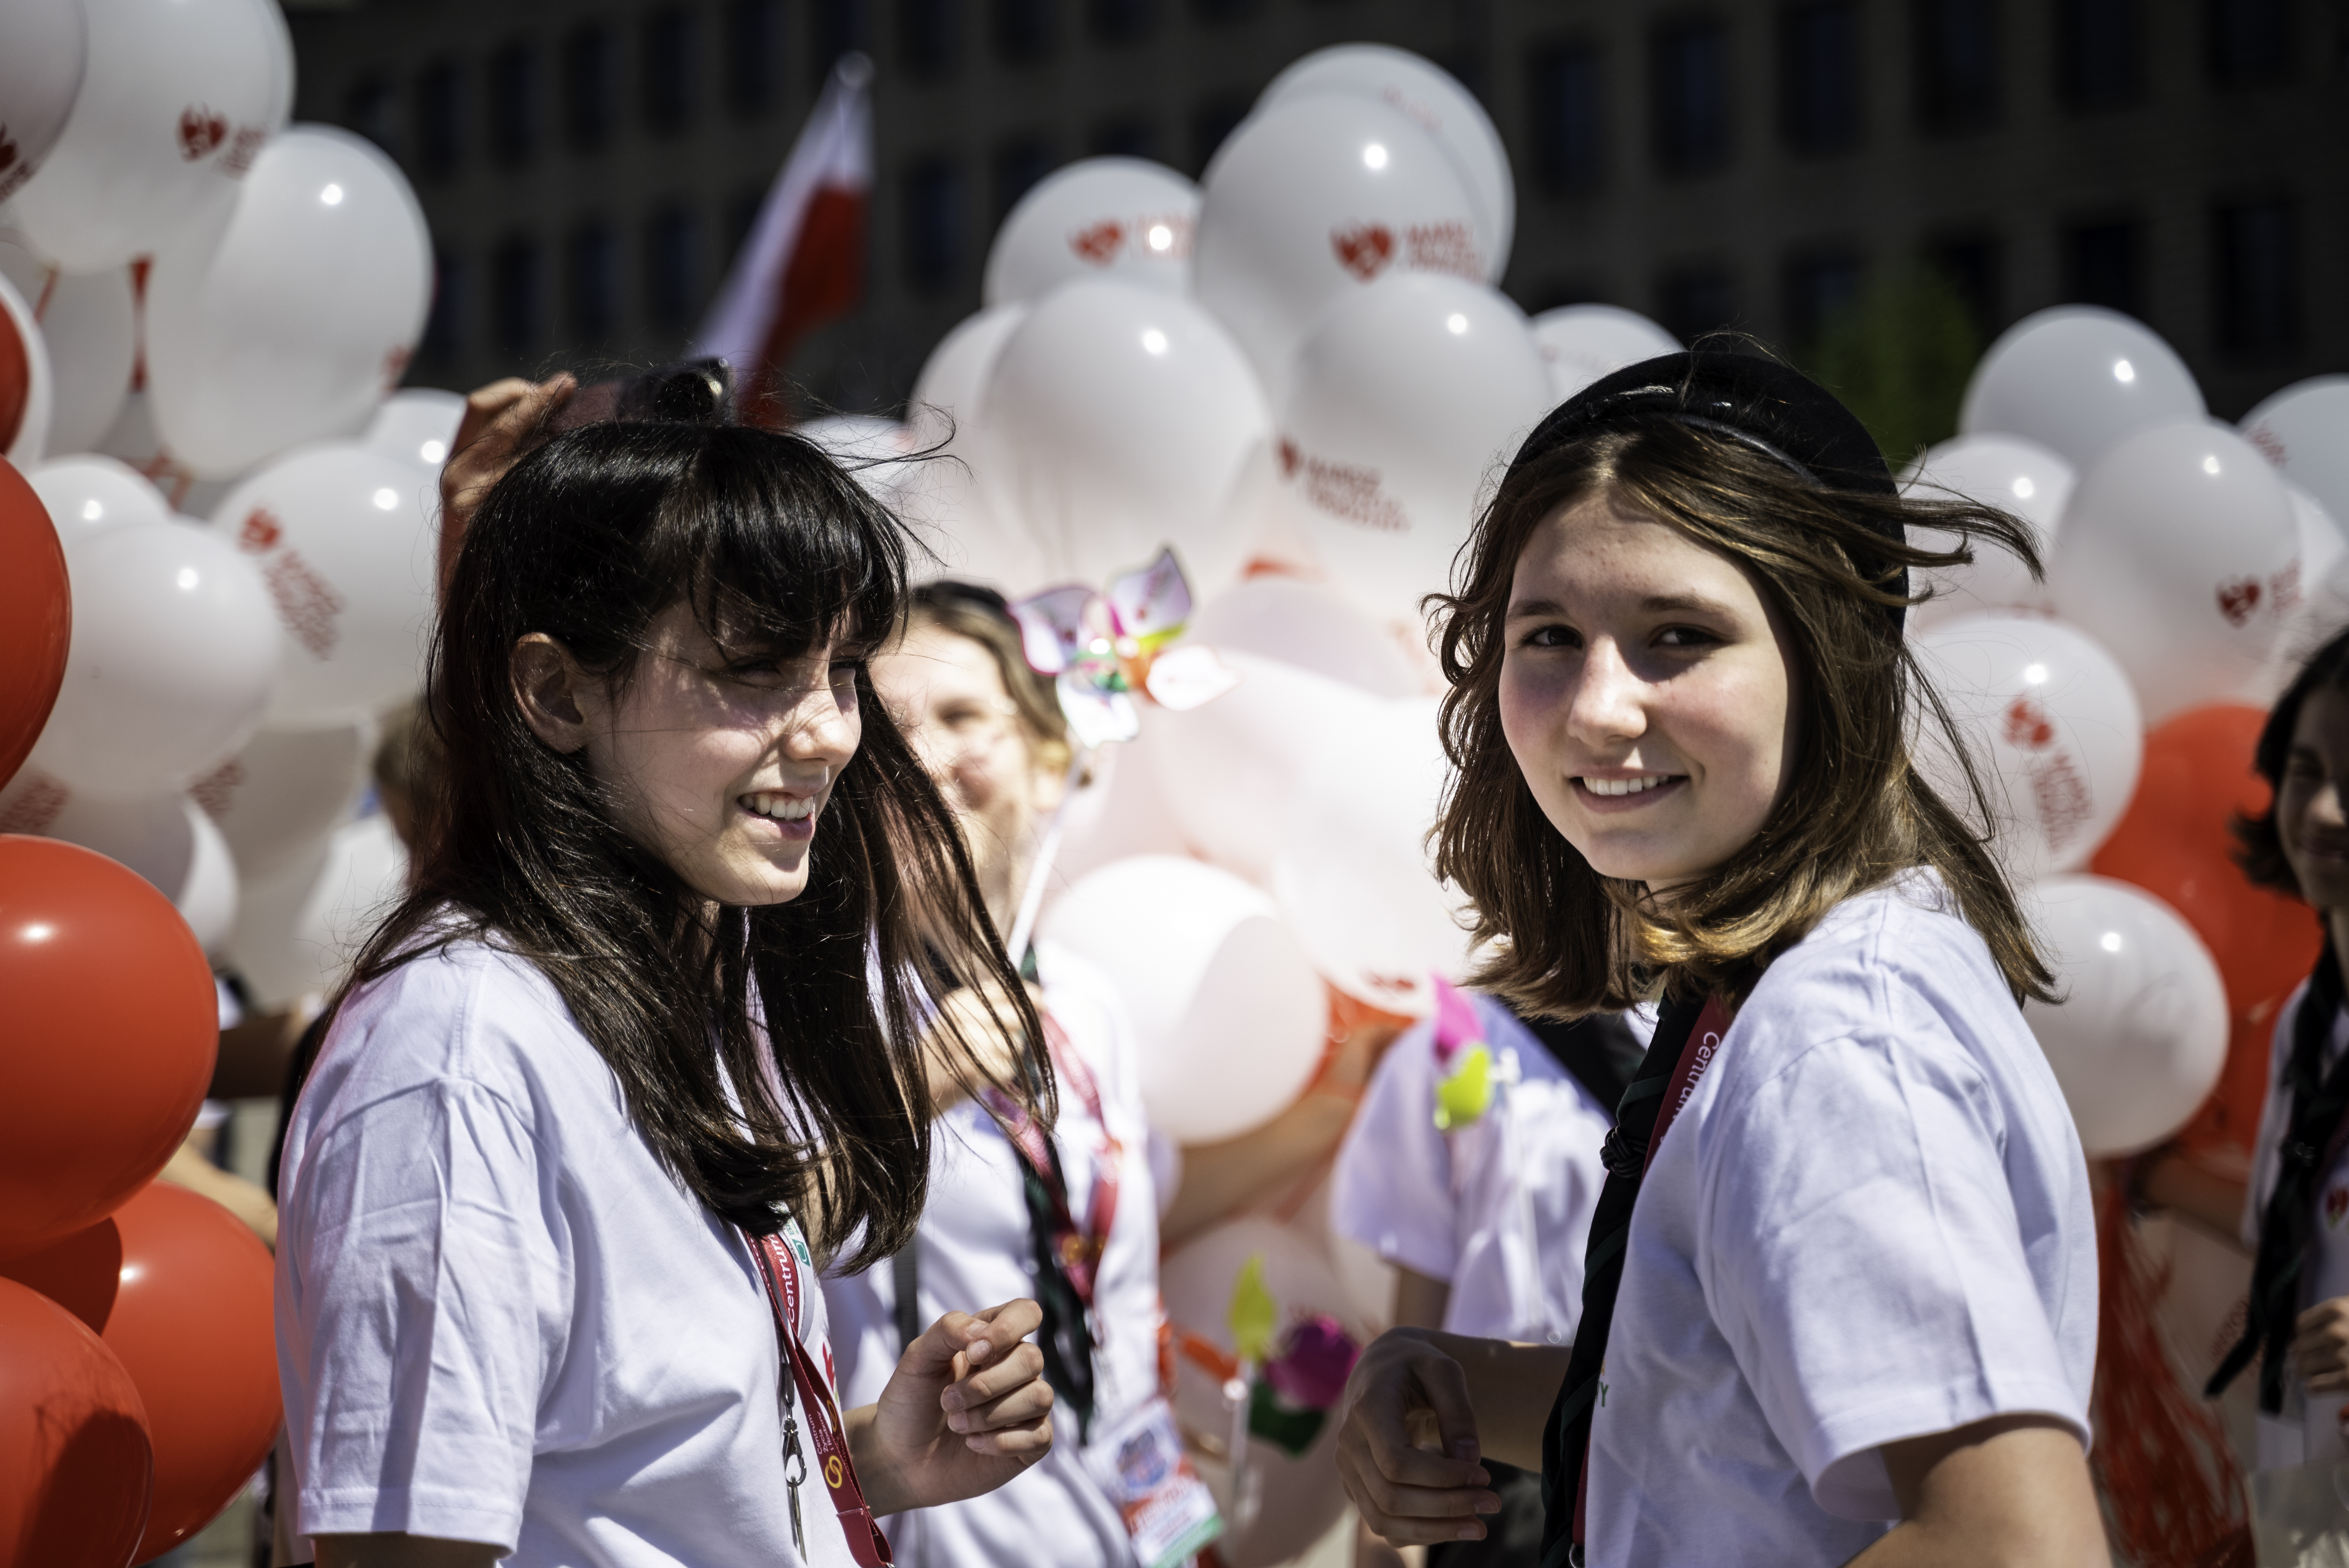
(722, 768)
(2309, 816)
(1645, 692)
(946, 693)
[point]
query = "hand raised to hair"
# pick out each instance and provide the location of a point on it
(967, 1410)
(503, 421)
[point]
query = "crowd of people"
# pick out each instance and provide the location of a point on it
(690, 1169)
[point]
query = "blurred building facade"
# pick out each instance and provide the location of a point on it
(588, 165)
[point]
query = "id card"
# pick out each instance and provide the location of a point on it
(1168, 1511)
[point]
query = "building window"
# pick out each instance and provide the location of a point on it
(1820, 285)
(672, 54)
(2099, 52)
(588, 95)
(444, 327)
(1025, 30)
(929, 35)
(1693, 300)
(372, 109)
(1564, 106)
(2251, 41)
(2259, 278)
(1957, 64)
(514, 103)
(838, 28)
(671, 276)
(1213, 121)
(1120, 21)
(515, 302)
(1970, 264)
(934, 225)
(2102, 266)
(1125, 139)
(1020, 163)
(441, 118)
(753, 41)
(1819, 76)
(592, 265)
(741, 217)
(1691, 89)
(1224, 10)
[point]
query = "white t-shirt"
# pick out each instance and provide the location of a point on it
(1499, 1209)
(499, 1319)
(973, 1252)
(2307, 1429)
(1871, 1221)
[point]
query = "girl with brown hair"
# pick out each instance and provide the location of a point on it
(1851, 1314)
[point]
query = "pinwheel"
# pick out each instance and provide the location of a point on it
(1465, 1090)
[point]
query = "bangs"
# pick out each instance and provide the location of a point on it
(776, 548)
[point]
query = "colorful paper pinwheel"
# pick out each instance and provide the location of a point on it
(1466, 1091)
(1101, 649)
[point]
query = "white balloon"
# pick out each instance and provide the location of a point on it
(2012, 474)
(303, 316)
(177, 101)
(343, 536)
(89, 325)
(1309, 626)
(2323, 612)
(1405, 397)
(88, 493)
(2051, 726)
(1437, 101)
(2077, 378)
(1117, 421)
(878, 453)
(166, 840)
(2141, 1034)
(2304, 431)
(943, 500)
(1355, 880)
(286, 791)
(1311, 198)
(298, 930)
(27, 386)
(2179, 553)
(1124, 218)
(1229, 767)
(173, 656)
(1228, 1015)
(1121, 813)
(1586, 341)
(418, 424)
(44, 49)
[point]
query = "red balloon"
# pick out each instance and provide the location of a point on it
(73, 1465)
(2175, 843)
(35, 615)
(180, 1290)
(112, 1024)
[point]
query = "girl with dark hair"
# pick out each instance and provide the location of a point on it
(1839, 1299)
(2297, 1325)
(647, 1045)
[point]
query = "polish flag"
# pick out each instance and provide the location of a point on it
(804, 261)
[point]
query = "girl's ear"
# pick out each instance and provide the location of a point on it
(549, 688)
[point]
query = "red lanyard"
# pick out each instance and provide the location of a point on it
(779, 1271)
(1079, 1247)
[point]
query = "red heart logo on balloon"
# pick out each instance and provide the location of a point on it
(1363, 250)
(201, 131)
(2028, 726)
(1099, 244)
(2238, 599)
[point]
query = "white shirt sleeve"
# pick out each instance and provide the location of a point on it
(419, 1266)
(1867, 1266)
(1391, 1188)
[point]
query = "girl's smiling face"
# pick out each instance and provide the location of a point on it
(2309, 815)
(1646, 693)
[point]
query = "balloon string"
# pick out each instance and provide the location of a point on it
(1031, 897)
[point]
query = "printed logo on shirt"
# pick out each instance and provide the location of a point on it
(1602, 1390)
(2336, 1205)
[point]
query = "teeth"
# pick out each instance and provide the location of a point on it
(783, 808)
(1625, 786)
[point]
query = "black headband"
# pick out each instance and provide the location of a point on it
(1758, 403)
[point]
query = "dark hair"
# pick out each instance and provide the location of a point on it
(981, 615)
(2259, 843)
(1561, 940)
(775, 550)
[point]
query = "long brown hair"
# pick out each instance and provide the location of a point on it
(1558, 938)
(772, 1056)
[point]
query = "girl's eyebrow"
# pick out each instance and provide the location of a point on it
(1526, 607)
(1655, 603)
